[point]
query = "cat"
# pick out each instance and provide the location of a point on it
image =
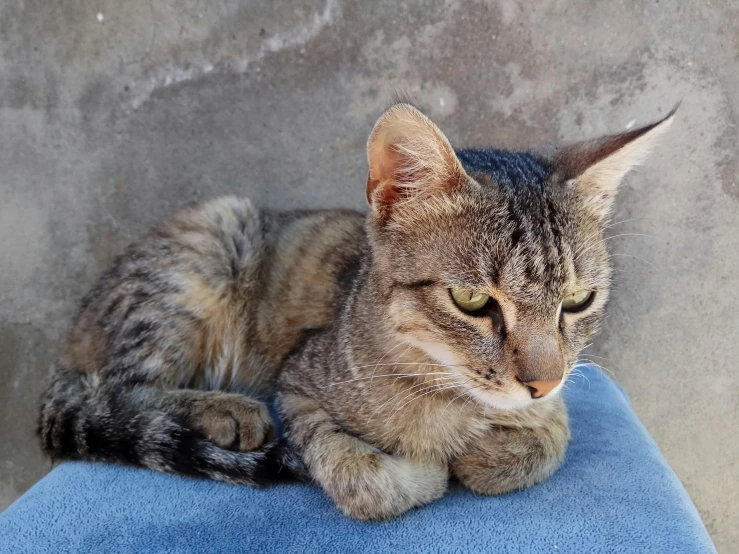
(425, 339)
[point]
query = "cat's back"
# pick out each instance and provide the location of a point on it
(234, 288)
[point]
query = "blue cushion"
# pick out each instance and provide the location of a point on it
(614, 493)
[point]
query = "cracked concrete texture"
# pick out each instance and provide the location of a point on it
(109, 125)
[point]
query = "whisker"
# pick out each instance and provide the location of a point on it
(582, 375)
(466, 401)
(412, 394)
(630, 235)
(621, 222)
(404, 391)
(447, 387)
(619, 270)
(589, 245)
(402, 363)
(602, 368)
(639, 219)
(638, 258)
(438, 387)
(399, 375)
(429, 387)
(388, 352)
(453, 399)
(599, 357)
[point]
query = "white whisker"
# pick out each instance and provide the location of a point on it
(401, 363)
(639, 219)
(453, 399)
(638, 258)
(630, 235)
(602, 368)
(388, 352)
(578, 373)
(469, 398)
(399, 375)
(448, 387)
(404, 391)
(592, 244)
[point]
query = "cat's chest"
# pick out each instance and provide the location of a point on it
(433, 427)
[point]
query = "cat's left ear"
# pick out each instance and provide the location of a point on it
(409, 159)
(596, 167)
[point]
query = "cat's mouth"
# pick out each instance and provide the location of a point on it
(516, 396)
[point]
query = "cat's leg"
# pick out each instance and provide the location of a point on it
(517, 452)
(231, 421)
(364, 482)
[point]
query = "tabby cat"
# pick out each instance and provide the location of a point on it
(425, 339)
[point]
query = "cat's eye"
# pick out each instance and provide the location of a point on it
(469, 300)
(577, 301)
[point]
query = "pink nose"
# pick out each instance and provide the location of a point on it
(539, 389)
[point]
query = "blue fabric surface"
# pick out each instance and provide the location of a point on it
(615, 493)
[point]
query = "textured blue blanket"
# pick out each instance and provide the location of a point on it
(615, 493)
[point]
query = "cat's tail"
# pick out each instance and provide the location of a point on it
(78, 422)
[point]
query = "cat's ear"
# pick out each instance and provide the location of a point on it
(409, 158)
(596, 167)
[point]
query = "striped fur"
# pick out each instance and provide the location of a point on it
(168, 342)
(385, 386)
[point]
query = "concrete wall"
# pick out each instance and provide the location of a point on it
(113, 114)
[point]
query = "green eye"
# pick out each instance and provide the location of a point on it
(468, 300)
(577, 301)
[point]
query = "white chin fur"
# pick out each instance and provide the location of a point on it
(499, 401)
(511, 401)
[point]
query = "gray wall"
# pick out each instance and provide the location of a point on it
(107, 126)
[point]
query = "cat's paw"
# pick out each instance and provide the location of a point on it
(392, 487)
(511, 459)
(234, 422)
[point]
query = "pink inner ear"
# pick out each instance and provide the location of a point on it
(408, 157)
(386, 194)
(400, 167)
(382, 174)
(391, 162)
(390, 171)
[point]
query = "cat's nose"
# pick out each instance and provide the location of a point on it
(538, 360)
(540, 389)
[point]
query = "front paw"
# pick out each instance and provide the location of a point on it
(511, 459)
(388, 487)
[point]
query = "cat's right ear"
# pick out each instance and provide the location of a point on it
(409, 158)
(595, 168)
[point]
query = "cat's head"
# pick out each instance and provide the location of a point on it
(494, 263)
